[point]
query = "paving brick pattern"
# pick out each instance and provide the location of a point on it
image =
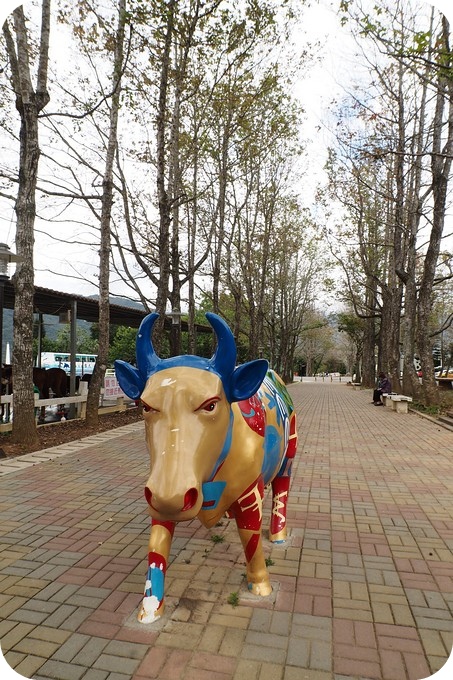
(363, 588)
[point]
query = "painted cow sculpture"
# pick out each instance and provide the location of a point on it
(217, 434)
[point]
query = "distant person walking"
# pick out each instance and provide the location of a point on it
(384, 387)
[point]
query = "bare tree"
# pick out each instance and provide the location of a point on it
(441, 159)
(410, 122)
(30, 101)
(105, 222)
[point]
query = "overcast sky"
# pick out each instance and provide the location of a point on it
(315, 91)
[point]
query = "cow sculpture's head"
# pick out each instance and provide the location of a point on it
(188, 419)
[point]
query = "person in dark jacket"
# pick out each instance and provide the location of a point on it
(384, 387)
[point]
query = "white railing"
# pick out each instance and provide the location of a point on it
(322, 378)
(111, 392)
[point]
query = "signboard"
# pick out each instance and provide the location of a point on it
(112, 390)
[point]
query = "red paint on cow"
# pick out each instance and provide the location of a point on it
(190, 499)
(253, 412)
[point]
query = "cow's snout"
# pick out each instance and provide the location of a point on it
(175, 506)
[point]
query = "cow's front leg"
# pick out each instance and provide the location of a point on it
(248, 513)
(159, 550)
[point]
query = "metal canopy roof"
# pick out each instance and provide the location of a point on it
(47, 301)
(53, 302)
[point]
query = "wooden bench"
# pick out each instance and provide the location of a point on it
(399, 402)
(356, 386)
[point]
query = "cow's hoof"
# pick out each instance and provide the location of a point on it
(151, 610)
(262, 589)
(279, 537)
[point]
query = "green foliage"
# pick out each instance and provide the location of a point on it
(315, 341)
(335, 365)
(123, 345)
(352, 325)
(432, 410)
(47, 345)
(233, 599)
(216, 538)
(422, 41)
(84, 341)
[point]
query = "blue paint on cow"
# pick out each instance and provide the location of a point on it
(156, 578)
(225, 449)
(272, 452)
(212, 492)
(249, 415)
(271, 395)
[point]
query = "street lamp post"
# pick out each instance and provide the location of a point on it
(6, 256)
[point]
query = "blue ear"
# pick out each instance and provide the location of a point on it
(129, 378)
(247, 379)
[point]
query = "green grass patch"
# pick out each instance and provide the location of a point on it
(233, 599)
(216, 538)
(433, 410)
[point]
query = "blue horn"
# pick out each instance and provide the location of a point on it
(147, 359)
(224, 358)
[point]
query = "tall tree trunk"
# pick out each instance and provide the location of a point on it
(441, 161)
(29, 103)
(414, 201)
(398, 256)
(97, 379)
(368, 358)
(175, 191)
(162, 193)
(219, 234)
(192, 219)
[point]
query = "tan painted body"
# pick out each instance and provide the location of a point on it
(188, 422)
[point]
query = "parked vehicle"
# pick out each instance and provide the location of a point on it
(84, 362)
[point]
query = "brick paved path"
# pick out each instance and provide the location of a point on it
(363, 588)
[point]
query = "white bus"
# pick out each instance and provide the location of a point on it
(84, 362)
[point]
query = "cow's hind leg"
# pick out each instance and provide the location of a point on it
(153, 603)
(248, 513)
(280, 488)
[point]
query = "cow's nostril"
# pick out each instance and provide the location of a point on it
(148, 495)
(190, 498)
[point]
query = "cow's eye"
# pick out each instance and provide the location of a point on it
(208, 406)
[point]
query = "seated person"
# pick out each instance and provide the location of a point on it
(384, 387)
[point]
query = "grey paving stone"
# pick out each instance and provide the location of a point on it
(50, 591)
(96, 674)
(71, 647)
(60, 615)
(28, 616)
(298, 653)
(261, 620)
(281, 623)
(77, 617)
(116, 664)
(57, 670)
(130, 650)
(91, 651)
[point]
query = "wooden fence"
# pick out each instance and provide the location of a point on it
(111, 393)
